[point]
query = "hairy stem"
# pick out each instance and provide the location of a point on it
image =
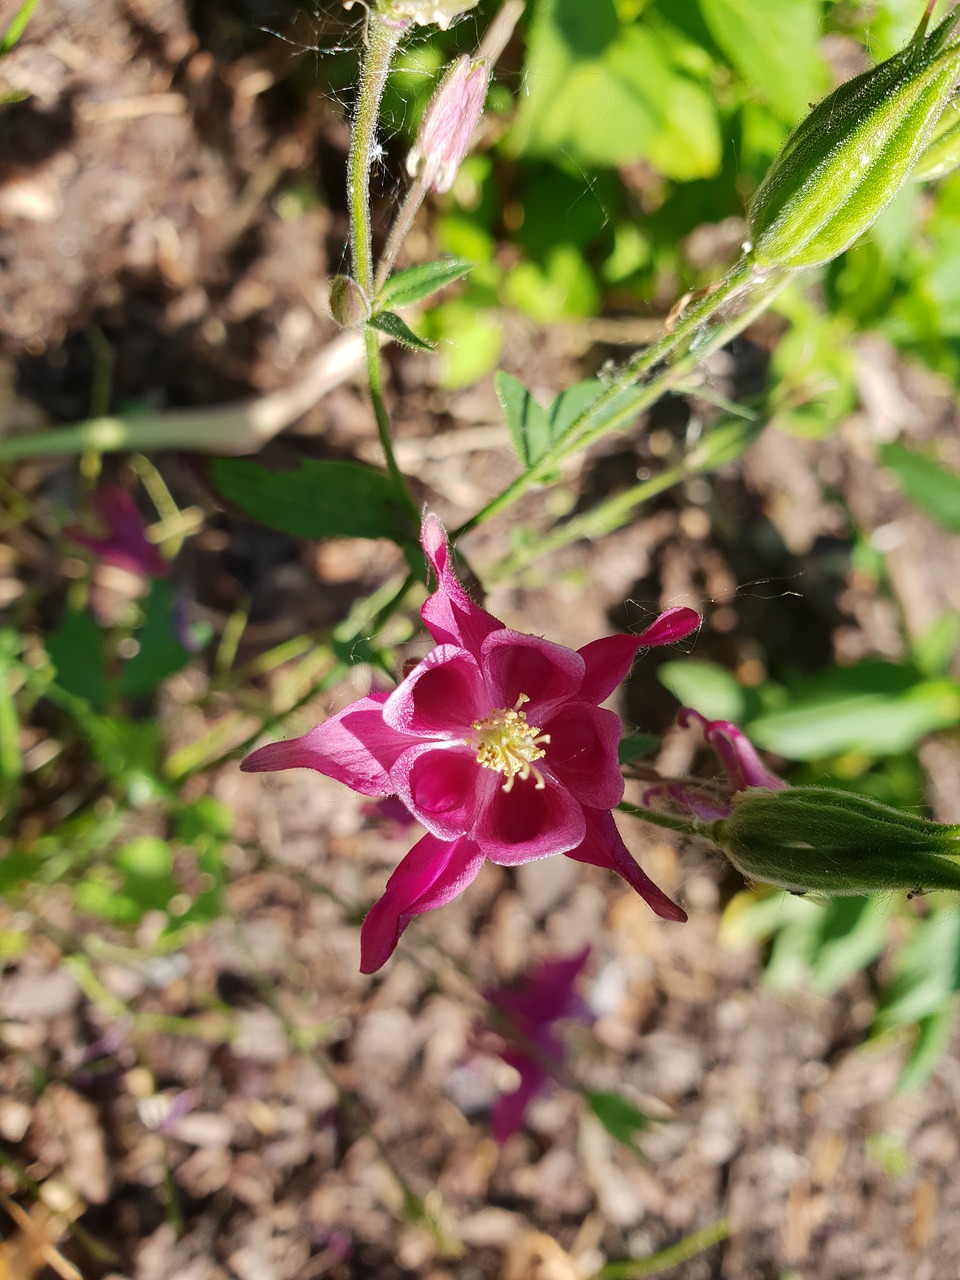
(373, 79)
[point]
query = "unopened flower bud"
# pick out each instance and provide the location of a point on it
(942, 153)
(449, 122)
(822, 840)
(348, 306)
(846, 161)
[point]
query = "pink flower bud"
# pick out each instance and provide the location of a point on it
(448, 123)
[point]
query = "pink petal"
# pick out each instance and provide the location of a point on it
(546, 673)
(443, 787)
(449, 614)
(608, 660)
(125, 544)
(523, 824)
(582, 753)
(442, 696)
(545, 994)
(354, 747)
(506, 1117)
(433, 873)
(736, 752)
(604, 847)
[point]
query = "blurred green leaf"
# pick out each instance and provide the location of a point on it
(17, 26)
(636, 746)
(878, 708)
(406, 287)
(394, 327)
(852, 933)
(469, 340)
(533, 428)
(160, 653)
(76, 651)
(925, 482)
(934, 1034)
(318, 500)
(774, 46)
(926, 971)
(708, 688)
(605, 91)
(621, 1119)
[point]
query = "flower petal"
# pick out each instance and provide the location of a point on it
(547, 674)
(442, 696)
(604, 847)
(582, 753)
(608, 660)
(506, 1116)
(433, 873)
(354, 747)
(525, 823)
(735, 751)
(449, 614)
(443, 787)
(125, 544)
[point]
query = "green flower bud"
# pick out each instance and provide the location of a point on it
(942, 153)
(821, 840)
(846, 161)
(348, 305)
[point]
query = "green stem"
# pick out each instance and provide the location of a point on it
(398, 232)
(373, 80)
(673, 1256)
(687, 826)
(375, 380)
(621, 402)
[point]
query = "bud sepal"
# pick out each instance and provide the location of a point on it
(845, 162)
(824, 840)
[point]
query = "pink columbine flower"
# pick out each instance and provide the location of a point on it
(125, 542)
(449, 122)
(495, 742)
(739, 759)
(527, 1016)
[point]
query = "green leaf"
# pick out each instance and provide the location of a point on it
(726, 442)
(602, 91)
(76, 650)
(709, 688)
(934, 1034)
(853, 932)
(318, 500)
(534, 429)
(774, 46)
(926, 972)
(875, 707)
(160, 653)
(927, 483)
(636, 746)
(621, 1119)
(406, 287)
(389, 322)
(17, 26)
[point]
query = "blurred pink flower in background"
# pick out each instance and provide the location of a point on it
(528, 1012)
(125, 543)
(495, 742)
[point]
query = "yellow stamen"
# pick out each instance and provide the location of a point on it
(504, 741)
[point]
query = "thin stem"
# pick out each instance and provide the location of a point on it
(670, 1257)
(373, 80)
(686, 826)
(375, 379)
(398, 232)
(620, 404)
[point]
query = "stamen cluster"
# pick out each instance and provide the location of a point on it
(505, 742)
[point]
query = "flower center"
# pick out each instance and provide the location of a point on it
(504, 741)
